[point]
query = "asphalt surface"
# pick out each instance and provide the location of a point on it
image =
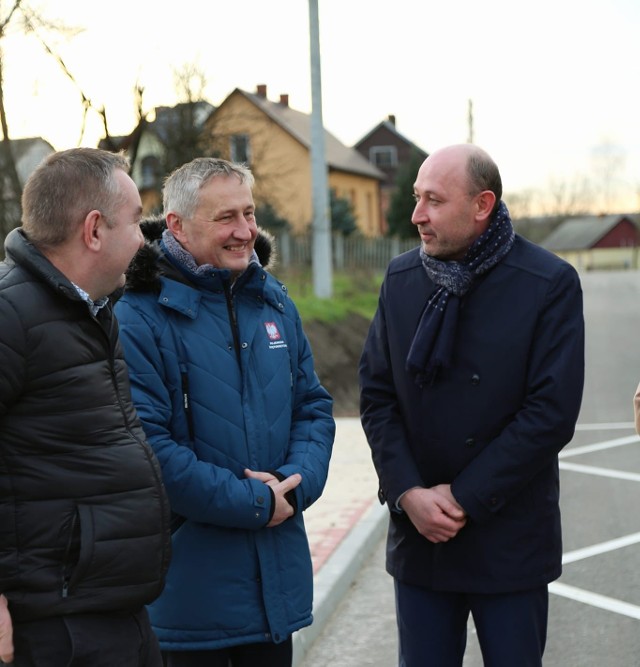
(595, 605)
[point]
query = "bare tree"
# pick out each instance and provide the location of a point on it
(521, 203)
(10, 186)
(23, 18)
(608, 164)
(564, 197)
(20, 17)
(180, 127)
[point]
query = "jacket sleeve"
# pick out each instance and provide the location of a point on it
(381, 415)
(545, 423)
(197, 490)
(312, 426)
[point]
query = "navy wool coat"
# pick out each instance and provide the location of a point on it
(491, 424)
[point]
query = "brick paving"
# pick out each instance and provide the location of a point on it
(350, 491)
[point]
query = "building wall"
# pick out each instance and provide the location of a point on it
(282, 167)
(364, 195)
(602, 258)
(149, 145)
(279, 163)
(625, 233)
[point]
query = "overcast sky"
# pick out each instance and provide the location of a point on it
(553, 83)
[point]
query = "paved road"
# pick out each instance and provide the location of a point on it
(595, 605)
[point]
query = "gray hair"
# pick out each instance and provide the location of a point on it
(181, 192)
(65, 187)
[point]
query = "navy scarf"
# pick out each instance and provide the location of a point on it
(432, 345)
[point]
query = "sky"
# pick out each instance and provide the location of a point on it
(554, 85)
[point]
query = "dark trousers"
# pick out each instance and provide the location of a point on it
(265, 654)
(87, 640)
(432, 626)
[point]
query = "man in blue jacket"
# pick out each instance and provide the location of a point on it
(223, 378)
(471, 383)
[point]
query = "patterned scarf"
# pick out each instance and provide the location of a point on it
(432, 345)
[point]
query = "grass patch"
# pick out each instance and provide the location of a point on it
(353, 292)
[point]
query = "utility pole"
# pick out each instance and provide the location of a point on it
(321, 242)
(470, 121)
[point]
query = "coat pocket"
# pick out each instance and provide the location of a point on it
(80, 547)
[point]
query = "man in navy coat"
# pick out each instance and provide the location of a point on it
(471, 381)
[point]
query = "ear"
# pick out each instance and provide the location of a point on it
(91, 230)
(485, 202)
(174, 225)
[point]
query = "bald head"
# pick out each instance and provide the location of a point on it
(477, 166)
(457, 190)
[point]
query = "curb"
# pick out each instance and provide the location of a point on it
(335, 577)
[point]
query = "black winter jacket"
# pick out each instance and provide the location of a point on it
(84, 520)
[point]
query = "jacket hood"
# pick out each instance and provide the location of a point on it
(146, 267)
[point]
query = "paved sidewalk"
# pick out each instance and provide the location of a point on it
(343, 527)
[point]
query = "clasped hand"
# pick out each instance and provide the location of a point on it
(434, 512)
(283, 509)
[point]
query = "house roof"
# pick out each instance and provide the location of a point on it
(166, 121)
(21, 147)
(391, 127)
(168, 118)
(585, 232)
(27, 154)
(298, 125)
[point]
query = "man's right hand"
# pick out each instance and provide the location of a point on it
(434, 516)
(6, 632)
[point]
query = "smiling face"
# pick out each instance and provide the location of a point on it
(446, 214)
(222, 230)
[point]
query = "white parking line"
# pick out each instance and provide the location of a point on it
(601, 472)
(602, 548)
(595, 599)
(606, 426)
(573, 592)
(596, 447)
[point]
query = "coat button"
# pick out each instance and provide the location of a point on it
(260, 500)
(470, 442)
(475, 379)
(493, 500)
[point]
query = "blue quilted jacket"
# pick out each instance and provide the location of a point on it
(224, 380)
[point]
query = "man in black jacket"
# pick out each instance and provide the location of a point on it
(84, 520)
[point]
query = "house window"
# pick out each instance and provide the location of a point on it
(150, 172)
(240, 148)
(383, 156)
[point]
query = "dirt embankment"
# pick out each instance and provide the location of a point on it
(336, 350)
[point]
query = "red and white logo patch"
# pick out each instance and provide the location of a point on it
(272, 331)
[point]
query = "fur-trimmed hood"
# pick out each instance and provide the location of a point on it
(148, 264)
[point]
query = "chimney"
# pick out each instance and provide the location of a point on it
(284, 100)
(261, 90)
(392, 119)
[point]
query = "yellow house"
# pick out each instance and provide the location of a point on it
(275, 141)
